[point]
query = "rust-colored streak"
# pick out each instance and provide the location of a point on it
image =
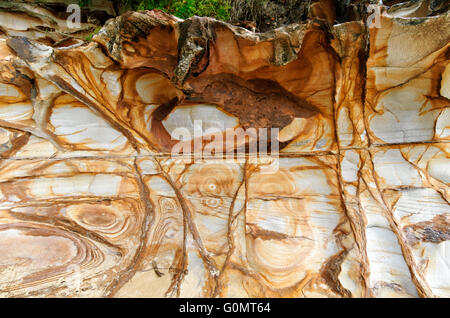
(258, 103)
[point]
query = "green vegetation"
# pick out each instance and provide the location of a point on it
(219, 9)
(84, 3)
(89, 37)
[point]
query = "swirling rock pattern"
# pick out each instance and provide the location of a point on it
(92, 203)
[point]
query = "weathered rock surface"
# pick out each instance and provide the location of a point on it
(93, 202)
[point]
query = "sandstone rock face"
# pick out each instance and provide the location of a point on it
(98, 198)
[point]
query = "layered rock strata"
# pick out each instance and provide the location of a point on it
(94, 201)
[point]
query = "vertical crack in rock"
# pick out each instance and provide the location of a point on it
(230, 239)
(190, 225)
(422, 287)
(136, 263)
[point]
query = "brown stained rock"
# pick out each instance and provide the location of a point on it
(145, 38)
(92, 203)
(350, 43)
(404, 78)
(258, 103)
